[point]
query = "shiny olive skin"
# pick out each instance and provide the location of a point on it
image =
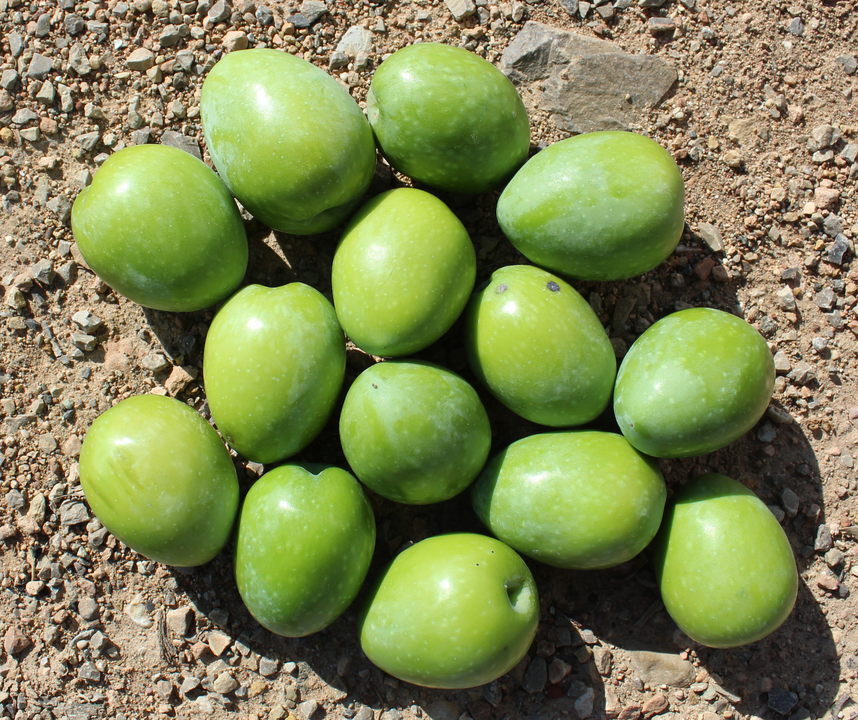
(160, 228)
(447, 118)
(306, 534)
(695, 381)
(452, 611)
(724, 565)
(597, 206)
(159, 478)
(274, 364)
(292, 145)
(414, 432)
(402, 273)
(579, 500)
(539, 348)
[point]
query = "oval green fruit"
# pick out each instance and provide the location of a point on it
(274, 364)
(452, 611)
(598, 206)
(288, 140)
(159, 227)
(159, 478)
(539, 348)
(724, 565)
(306, 536)
(414, 432)
(692, 383)
(448, 118)
(578, 500)
(403, 273)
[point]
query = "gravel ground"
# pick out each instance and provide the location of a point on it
(759, 111)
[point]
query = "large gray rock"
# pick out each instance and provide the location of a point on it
(655, 669)
(586, 84)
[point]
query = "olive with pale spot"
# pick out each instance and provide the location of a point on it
(452, 611)
(448, 118)
(402, 273)
(597, 206)
(414, 432)
(273, 364)
(160, 228)
(723, 563)
(159, 478)
(290, 143)
(306, 535)
(580, 500)
(539, 348)
(695, 381)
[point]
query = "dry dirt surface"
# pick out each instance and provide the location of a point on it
(762, 121)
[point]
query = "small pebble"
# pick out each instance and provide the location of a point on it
(828, 582)
(267, 666)
(834, 558)
(536, 676)
(655, 705)
(88, 608)
(766, 433)
(14, 641)
(307, 709)
(790, 502)
(89, 671)
(825, 299)
(585, 704)
(824, 541)
(219, 642)
(224, 683)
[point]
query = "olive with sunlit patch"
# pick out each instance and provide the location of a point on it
(273, 364)
(578, 500)
(160, 228)
(414, 432)
(539, 348)
(292, 145)
(448, 118)
(306, 535)
(159, 478)
(695, 381)
(724, 565)
(597, 206)
(452, 611)
(402, 273)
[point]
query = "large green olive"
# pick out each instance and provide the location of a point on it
(598, 206)
(402, 273)
(539, 348)
(274, 364)
(724, 565)
(448, 118)
(159, 478)
(306, 535)
(692, 383)
(288, 140)
(577, 500)
(414, 432)
(452, 611)
(159, 227)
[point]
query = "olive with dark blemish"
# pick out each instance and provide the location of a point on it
(551, 363)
